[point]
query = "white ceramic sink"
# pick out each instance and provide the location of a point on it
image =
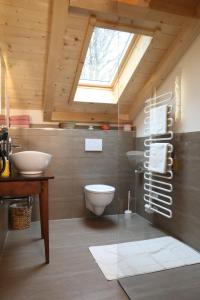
(135, 157)
(31, 162)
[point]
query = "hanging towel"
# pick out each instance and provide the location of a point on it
(158, 120)
(158, 158)
(2, 120)
(19, 122)
(20, 117)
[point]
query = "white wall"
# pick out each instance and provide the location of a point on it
(189, 68)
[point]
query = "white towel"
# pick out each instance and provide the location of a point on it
(158, 158)
(158, 120)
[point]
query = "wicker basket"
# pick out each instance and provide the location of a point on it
(20, 216)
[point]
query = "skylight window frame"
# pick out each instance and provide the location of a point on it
(98, 84)
(139, 32)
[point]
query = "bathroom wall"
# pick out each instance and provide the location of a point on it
(73, 168)
(185, 223)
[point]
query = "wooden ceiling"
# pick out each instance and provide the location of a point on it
(43, 43)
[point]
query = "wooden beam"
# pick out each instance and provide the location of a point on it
(180, 7)
(169, 61)
(133, 12)
(89, 117)
(127, 28)
(142, 3)
(198, 10)
(57, 30)
(86, 42)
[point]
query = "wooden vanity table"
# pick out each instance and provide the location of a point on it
(19, 185)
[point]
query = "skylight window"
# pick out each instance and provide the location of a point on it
(105, 53)
(111, 60)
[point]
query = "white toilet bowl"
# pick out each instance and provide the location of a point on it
(98, 196)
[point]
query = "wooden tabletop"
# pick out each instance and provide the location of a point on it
(20, 177)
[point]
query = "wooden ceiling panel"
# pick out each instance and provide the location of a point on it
(24, 30)
(18, 84)
(42, 68)
(25, 70)
(88, 108)
(39, 5)
(24, 17)
(166, 64)
(111, 7)
(162, 41)
(158, 47)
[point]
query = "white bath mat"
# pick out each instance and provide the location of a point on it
(146, 256)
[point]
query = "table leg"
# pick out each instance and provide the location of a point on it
(41, 219)
(44, 216)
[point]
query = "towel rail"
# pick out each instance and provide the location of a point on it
(158, 181)
(169, 175)
(157, 187)
(159, 196)
(169, 151)
(154, 209)
(149, 140)
(170, 189)
(147, 197)
(169, 162)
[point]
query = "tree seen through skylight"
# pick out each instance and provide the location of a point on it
(106, 50)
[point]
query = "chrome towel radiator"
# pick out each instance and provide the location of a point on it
(158, 187)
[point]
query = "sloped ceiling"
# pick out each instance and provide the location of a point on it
(43, 43)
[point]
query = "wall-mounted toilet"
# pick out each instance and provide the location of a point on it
(98, 196)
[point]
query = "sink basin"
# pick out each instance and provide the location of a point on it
(135, 157)
(31, 162)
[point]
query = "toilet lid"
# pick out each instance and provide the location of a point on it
(100, 188)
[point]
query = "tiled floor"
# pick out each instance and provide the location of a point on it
(175, 284)
(72, 273)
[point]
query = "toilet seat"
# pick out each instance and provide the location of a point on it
(99, 188)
